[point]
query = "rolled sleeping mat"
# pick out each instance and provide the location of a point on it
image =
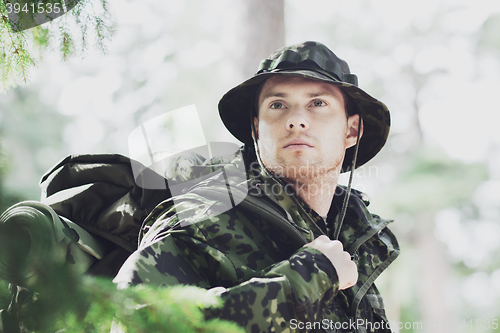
(31, 233)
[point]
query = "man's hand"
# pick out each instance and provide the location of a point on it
(347, 271)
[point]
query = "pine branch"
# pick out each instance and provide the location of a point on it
(14, 51)
(100, 34)
(23, 61)
(69, 303)
(15, 57)
(81, 19)
(66, 45)
(41, 36)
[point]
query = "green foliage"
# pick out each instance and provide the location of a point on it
(71, 303)
(17, 49)
(488, 38)
(6, 199)
(14, 57)
(431, 181)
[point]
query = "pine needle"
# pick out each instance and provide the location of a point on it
(16, 48)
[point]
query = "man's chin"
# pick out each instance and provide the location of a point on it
(300, 169)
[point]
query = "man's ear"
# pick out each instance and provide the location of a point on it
(352, 130)
(256, 126)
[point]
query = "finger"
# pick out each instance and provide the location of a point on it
(346, 256)
(323, 239)
(338, 244)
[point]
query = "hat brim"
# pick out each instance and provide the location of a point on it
(236, 105)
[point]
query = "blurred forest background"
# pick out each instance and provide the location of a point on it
(436, 64)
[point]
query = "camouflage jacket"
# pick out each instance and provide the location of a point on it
(252, 253)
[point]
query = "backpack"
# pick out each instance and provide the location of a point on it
(95, 205)
(99, 194)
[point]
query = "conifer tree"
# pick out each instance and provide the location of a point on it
(62, 301)
(88, 23)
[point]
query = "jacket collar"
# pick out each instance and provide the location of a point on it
(359, 223)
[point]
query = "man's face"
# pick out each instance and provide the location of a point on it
(302, 128)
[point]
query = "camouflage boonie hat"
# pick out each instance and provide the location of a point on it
(315, 61)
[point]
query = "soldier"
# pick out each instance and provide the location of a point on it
(298, 253)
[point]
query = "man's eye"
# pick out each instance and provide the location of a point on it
(277, 105)
(318, 102)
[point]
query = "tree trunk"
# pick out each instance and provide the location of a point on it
(263, 31)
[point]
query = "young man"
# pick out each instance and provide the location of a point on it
(290, 256)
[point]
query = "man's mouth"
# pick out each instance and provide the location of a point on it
(298, 143)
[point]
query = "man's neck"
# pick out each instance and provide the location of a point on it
(317, 193)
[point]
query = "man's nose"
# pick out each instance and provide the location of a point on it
(297, 121)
